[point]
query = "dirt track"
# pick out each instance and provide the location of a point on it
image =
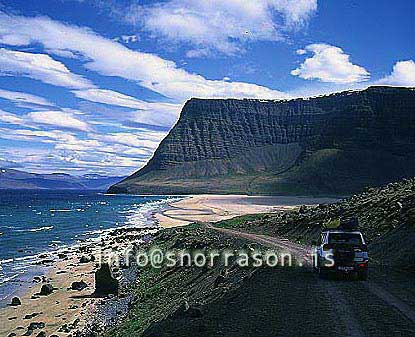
(345, 295)
(293, 301)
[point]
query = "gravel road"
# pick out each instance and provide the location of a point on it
(293, 301)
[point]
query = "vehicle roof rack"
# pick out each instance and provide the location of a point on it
(346, 225)
(340, 230)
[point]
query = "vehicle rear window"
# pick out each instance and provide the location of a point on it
(345, 238)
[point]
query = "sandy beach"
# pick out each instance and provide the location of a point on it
(65, 310)
(61, 307)
(212, 208)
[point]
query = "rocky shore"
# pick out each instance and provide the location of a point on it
(64, 301)
(76, 296)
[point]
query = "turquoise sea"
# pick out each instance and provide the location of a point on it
(34, 222)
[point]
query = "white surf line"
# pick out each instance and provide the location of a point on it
(392, 300)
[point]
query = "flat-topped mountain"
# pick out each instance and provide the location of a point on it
(17, 180)
(336, 144)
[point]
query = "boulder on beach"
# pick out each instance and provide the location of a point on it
(32, 327)
(105, 283)
(84, 259)
(46, 289)
(36, 325)
(30, 316)
(16, 301)
(81, 285)
(37, 279)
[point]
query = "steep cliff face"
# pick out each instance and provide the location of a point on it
(334, 144)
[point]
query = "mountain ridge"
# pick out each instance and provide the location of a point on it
(12, 179)
(334, 144)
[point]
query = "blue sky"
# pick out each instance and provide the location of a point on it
(91, 86)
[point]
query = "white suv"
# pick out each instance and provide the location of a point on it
(340, 251)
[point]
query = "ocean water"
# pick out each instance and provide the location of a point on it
(34, 222)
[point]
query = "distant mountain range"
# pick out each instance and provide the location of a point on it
(13, 180)
(335, 144)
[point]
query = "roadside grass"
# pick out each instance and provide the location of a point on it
(386, 216)
(160, 292)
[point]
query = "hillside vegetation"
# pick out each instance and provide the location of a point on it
(205, 301)
(386, 216)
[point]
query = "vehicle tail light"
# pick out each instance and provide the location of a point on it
(362, 264)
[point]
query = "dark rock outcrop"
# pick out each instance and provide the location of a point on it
(336, 144)
(84, 259)
(105, 283)
(46, 289)
(33, 326)
(79, 286)
(16, 301)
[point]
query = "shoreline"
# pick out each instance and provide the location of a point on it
(67, 308)
(144, 215)
(70, 310)
(216, 207)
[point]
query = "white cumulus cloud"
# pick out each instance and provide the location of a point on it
(24, 99)
(58, 119)
(144, 139)
(151, 113)
(329, 64)
(220, 25)
(39, 67)
(7, 117)
(113, 153)
(403, 74)
(110, 58)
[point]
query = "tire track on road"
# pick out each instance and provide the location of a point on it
(392, 300)
(300, 252)
(341, 305)
(345, 313)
